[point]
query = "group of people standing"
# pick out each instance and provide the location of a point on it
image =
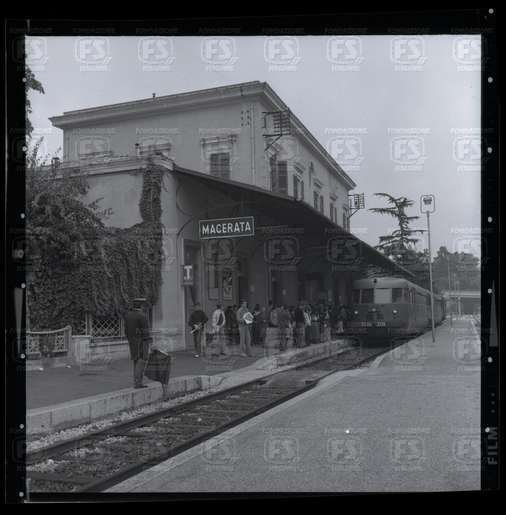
(240, 325)
(236, 325)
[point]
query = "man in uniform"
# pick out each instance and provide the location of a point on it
(137, 333)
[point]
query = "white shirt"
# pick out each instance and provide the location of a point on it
(216, 318)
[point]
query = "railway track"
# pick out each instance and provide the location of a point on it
(97, 461)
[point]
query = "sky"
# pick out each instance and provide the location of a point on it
(400, 114)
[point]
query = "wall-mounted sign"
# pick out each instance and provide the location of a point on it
(187, 275)
(227, 228)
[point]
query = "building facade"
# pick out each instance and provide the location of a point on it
(226, 153)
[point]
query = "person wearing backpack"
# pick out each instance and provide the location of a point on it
(218, 326)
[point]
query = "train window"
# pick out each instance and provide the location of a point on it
(397, 295)
(367, 296)
(383, 295)
(356, 296)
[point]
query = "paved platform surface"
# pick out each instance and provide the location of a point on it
(60, 384)
(410, 422)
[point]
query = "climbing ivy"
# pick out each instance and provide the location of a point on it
(80, 265)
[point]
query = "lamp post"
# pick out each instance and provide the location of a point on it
(428, 205)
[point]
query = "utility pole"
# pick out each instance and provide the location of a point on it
(428, 205)
(449, 290)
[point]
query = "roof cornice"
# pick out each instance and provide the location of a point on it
(140, 108)
(276, 101)
(194, 100)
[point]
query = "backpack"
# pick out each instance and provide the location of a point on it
(220, 319)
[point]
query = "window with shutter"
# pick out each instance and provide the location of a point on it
(298, 188)
(274, 175)
(282, 177)
(279, 176)
(220, 165)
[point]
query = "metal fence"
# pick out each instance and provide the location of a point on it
(48, 343)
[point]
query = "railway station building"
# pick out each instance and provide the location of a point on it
(252, 205)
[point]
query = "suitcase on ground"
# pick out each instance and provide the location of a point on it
(158, 367)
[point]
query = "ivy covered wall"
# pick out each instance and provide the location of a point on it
(82, 265)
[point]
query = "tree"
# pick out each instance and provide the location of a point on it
(456, 270)
(75, 263)
(31, 84)
(400, 240)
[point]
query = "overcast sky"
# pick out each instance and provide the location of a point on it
(400, 114)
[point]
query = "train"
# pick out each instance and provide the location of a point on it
(389, 307)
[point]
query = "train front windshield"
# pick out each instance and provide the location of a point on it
(380, 296)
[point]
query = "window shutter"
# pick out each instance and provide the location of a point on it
(274, 175)
(282, 177)
(220, 165)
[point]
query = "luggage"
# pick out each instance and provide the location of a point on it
(158, 367)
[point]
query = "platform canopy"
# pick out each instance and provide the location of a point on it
(268, 206)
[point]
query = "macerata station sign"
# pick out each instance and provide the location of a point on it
(227, 228)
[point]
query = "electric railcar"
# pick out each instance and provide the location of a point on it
(386, 307)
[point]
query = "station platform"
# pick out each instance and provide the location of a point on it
(61, 384)
(61, 398)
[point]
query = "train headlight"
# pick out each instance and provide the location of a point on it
(394, 311)
(356, 312)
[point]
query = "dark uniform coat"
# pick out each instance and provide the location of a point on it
(137, 333)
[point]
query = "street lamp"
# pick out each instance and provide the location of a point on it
(428, 205)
